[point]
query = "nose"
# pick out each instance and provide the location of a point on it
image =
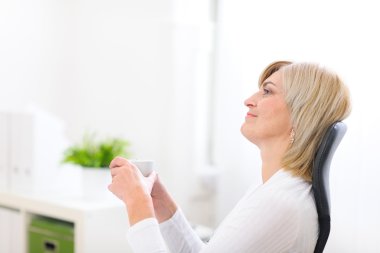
(251, 101)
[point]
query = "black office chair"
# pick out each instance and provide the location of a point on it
(320, 181)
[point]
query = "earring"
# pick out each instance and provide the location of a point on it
(292, 133)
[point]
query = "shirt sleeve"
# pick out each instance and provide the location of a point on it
(179, 236)
(145, 237)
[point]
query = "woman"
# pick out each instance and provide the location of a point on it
(286, 119)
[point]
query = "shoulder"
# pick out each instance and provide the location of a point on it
(283, 199)
(283, 190)
(264, 221)
(291, 199)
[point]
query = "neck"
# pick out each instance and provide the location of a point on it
(271, 156)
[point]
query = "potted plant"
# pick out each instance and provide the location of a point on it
(93, 157)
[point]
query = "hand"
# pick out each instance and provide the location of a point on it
(129, 185)
(164, 205)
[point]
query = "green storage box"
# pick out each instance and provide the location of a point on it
(47, 235)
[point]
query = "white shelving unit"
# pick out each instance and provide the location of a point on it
(99, 225)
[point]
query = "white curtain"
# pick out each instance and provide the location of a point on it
(342, 35)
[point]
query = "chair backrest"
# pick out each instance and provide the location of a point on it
(320, 181)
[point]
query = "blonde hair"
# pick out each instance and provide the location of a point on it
(316, 98)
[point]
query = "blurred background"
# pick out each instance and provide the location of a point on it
(171, 76)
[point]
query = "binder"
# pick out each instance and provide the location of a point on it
(21, 151)
(36, 149)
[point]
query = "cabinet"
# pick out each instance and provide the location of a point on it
(99, 225)
(10, 230)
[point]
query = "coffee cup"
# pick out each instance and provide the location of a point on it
(145, 166)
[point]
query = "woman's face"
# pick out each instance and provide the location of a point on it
(268, 117)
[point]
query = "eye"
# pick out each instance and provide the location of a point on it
(266, 91)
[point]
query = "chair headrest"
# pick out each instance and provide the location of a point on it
(321, 166)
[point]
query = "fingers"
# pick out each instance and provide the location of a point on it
(128, 170)
(151, 179)
(116, 171)
(118, 162)
(114, 189)
(110, 188)
(152, 176)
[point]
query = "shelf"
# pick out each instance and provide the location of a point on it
(99, 225)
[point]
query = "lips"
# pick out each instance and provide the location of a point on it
(251, 115)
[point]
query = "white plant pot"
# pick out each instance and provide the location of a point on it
(95, 183)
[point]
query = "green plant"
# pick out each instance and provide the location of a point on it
(96, 154)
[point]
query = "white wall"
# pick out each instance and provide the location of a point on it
(90, 62)
(29, 52)
(339, 34)
(101, 66)
(134, 69)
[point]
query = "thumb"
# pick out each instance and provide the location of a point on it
(152, 177)
(150, 180)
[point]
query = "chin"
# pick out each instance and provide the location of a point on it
(248, 133)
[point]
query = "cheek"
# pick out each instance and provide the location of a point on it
(269, 108)
(276, 113)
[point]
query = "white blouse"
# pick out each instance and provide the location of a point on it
(277, 216)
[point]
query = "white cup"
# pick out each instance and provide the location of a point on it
(145, 166)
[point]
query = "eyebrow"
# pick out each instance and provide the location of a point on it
(268, 82)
